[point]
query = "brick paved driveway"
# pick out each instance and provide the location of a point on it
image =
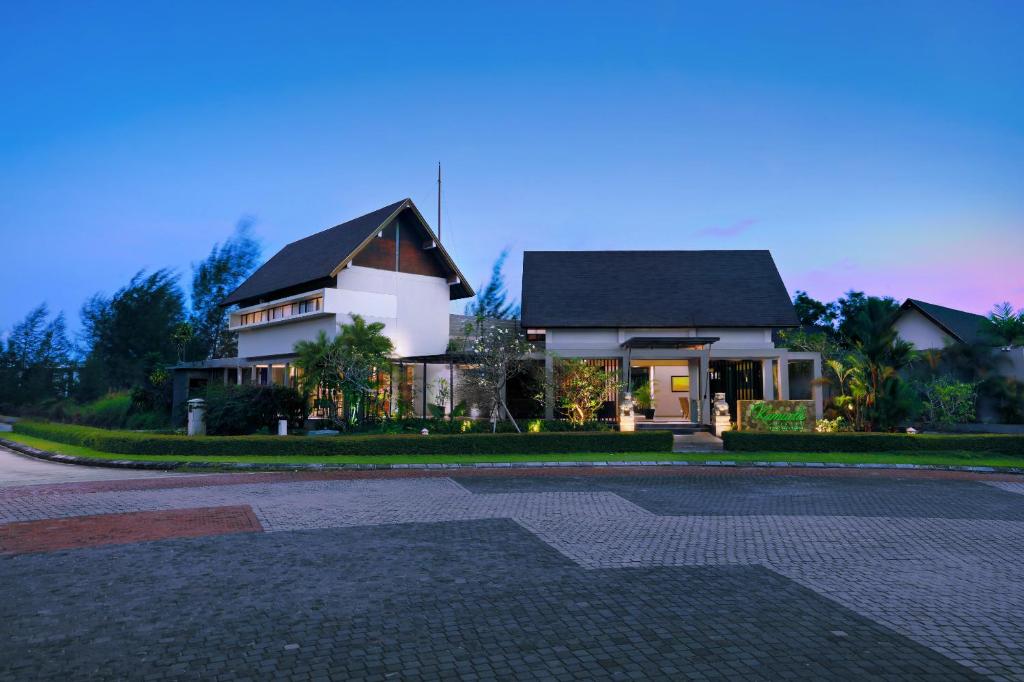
(634, 574)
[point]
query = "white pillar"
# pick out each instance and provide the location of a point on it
(705, 389)
(238, 375)
(768, 378)
(818, 389)
(783, 377)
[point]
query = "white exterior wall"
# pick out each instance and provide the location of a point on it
(570, 339)
(739, 338)
(280, 339)
(917, 329)
(612, 339)
(413, 308)
(1012, 362)
(666, 403)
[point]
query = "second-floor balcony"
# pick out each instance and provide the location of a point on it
(293, 308)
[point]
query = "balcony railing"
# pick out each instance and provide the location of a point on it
(278, 313)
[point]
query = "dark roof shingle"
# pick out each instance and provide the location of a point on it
(654, 289)
(963, 326)
(311, 258)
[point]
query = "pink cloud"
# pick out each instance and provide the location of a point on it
(972, 282)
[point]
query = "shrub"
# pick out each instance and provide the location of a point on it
(109, 412)
(751, 441)
(832, 425)
(147, 421)
(465, 425)
(947, 401)
(238, 410)
(125, 442)
(581, 388)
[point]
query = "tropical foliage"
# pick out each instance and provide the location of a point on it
(1006, 326)
(581, 387)
(947, 401)
(343, 375)
(498, 354)
(240, 410)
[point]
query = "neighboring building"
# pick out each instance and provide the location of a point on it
(692, 322)
(933, 327)
(930, 327)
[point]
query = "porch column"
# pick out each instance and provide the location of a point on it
(451, 388)
(624, 376)
(549, 387)
(768, 378)
(225, 376)
(705, 389)
(287, 379)
(783, 377)
(424, 414)
(817, 389)
(693, 370)
(238, 375)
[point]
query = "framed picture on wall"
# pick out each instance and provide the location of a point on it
(681, 384)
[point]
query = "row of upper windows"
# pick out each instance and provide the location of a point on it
(309, 305)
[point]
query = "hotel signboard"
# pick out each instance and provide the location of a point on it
(775, 415)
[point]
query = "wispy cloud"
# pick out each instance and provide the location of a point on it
(732, 230)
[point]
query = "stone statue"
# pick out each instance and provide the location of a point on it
(720, 408)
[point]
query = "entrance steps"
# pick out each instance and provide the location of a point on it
(701, 441)
(679, 428)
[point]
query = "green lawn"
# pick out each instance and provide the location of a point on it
(945, 458)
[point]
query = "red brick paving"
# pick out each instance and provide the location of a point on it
(114, 529)
(344, 475)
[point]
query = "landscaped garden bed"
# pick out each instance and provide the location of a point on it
(751, 441)
(129, 443)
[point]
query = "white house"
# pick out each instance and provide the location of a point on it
(689, 323)
(387, 266)
(933, 327)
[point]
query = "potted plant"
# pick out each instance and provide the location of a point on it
(642, 400)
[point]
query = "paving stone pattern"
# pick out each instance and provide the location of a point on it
(634, 577)
(476, 600)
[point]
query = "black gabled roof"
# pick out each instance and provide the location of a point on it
(963, 326)
(315, 259)
(654, 289)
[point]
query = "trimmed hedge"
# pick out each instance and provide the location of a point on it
(123, 442)
(752, 441)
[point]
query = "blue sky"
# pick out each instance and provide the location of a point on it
(876, 146)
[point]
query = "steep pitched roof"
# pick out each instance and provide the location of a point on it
(963, 326)
(317, 258)
(654, 289)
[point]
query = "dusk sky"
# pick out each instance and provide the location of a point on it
(872, 146)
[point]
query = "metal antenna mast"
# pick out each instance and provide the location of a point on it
(438, 201)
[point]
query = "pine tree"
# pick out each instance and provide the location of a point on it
(492, 300)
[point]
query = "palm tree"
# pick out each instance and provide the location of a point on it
(366, 355)
(1006, 326)
(320, 378)
(349, 366)
(881, 354)
(366, 340)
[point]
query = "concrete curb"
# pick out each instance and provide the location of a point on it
(246, 466)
